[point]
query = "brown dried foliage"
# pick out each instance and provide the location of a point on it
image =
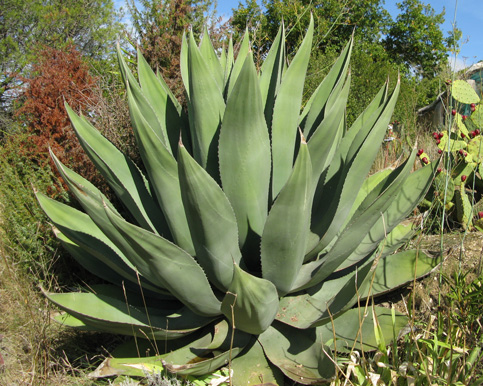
(58, 76)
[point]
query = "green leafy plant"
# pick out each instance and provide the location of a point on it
(458, 187)
(255, 228)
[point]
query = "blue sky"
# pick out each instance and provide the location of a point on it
(467, 13)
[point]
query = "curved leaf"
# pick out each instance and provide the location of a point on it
(159, 260)
(244, 153)
(251, 301)
(211, 220)
(284, 238)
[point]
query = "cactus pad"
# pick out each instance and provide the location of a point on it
(463, 92)
(477, 117)
(463, 208)
(475, 149)
(440, 185)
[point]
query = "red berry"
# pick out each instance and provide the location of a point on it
(477, 132)
(441, 135)
(420, 151)
(463, 117)
(463, 178)
(473, 109)
(465, 154)
(473, 105)
(453, 112)
(440, 170)
(438, 141)
(440, 151)
(448, 81)
(435, 135)
(480, 214)
(461, 152)
(463, 135)
(425, 161)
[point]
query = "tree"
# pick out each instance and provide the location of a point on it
(159, 27)
(335, 20)
(415, 38)
(58, 76)
(28, 26)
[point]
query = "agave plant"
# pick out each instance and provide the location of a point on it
(253, 227)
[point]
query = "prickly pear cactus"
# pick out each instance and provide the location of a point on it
(464, 211)
(461, 149)
(463, 92)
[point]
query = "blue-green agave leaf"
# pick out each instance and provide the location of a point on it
(300, 354)
(314, 110)
(211, 59)
(211, 221)
(354, 329)
(205, 118)
(162, 169)
(284, 238)
(121, 173)
(238, 64)
(286, 114)
(166, 106)
(107, 309)
(252, 367)
(250, 303)
(161, 261)
(244, 153)
(271, 74)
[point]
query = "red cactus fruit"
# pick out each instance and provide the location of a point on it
(477, 131)
(425, 160)
(440, 170)
(440, 135)
(435, 135)
(453, 112)
(461, 151)
(463, 117)
(440, 151)
(480, 214)
(438, 141)
(463, 178)
(420, 151)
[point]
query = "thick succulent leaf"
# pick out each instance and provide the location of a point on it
(286, 114)
(183, 64)
(338, 194)
(205, 118)
(284, 238)
(271, 74)
(120, 172)
(324, 300)
(314, 111)
(251, 367)
(211, 220)
(325, 140)
(211, 59)
(354, 137)
(399, 269)
(183, 356)
(161, 261)
(96, 266)
(354, 329)
(93, 202)
(162, 170)
(147, 109)
(300, 354)
(357, 229)
(244, 153)
(400, 206)
(107, 309)
(166, 106)
(239, 62)
(97, 253)
(250, 303)
(230, 61)
(204, 357)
